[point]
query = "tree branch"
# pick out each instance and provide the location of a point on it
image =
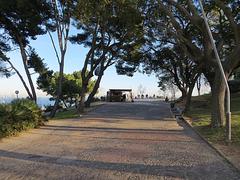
(228, 13)
(54, 47)
(21, 78)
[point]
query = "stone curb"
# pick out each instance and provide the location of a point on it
(219, 152)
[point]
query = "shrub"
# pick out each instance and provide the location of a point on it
(49, 108)
(20, 114)
(234, 86)
(96, 99)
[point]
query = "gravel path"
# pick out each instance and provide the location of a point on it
(137, 140)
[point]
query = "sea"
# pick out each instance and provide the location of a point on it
(41, 101)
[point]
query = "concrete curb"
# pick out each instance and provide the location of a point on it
(219, 152)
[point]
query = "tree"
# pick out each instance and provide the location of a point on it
(183, 21)
(3, 70)
(20, 21)
(172, 65)
(141, 89)
(236, 74)
(71, 86)
(164, 55)
(199, 84)
(4, 48)
(234, 83)
(62, 13)
(109, 37)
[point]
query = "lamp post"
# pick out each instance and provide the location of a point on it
(17, 92)
(228, 106)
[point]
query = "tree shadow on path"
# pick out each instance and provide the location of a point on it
(156, 170)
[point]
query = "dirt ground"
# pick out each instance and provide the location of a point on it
(137, 140)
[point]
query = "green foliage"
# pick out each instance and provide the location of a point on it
(20, 114)
(113, 31)
(4, 48)
(22, 19)
(36, 62)
(20, 22)
(126, 68)
(73, 113)
(71, 86)
(3, 70)
(177, 22)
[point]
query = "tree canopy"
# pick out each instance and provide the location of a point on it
(172, 23)
(20, 21)
(112, 31)
(71, 86)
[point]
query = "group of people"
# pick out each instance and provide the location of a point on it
(146, 96)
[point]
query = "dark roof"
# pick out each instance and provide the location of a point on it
(120, 89)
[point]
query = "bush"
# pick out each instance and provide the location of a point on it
(49, 108)
(20, 114)
(96, 99)
(234, 86)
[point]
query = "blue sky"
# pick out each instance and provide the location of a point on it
(74, 60)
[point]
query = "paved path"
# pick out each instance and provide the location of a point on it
(116, 141)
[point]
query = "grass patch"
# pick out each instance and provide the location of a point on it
(67, 114)
(200, 113)
(72, 112)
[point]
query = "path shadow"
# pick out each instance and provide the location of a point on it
(121, 117)
(111, 129)
(153, 132)
(177, 171)
(176, 140)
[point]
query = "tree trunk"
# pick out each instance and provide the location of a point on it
(24, 59)
(62, 29)
(218, 95)
(21, 78)
(188, 98)
(59, 88)
(184, 95)
(199, 93)
(94, 91)
(65, 104)
(199, 85)
(83, 92)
